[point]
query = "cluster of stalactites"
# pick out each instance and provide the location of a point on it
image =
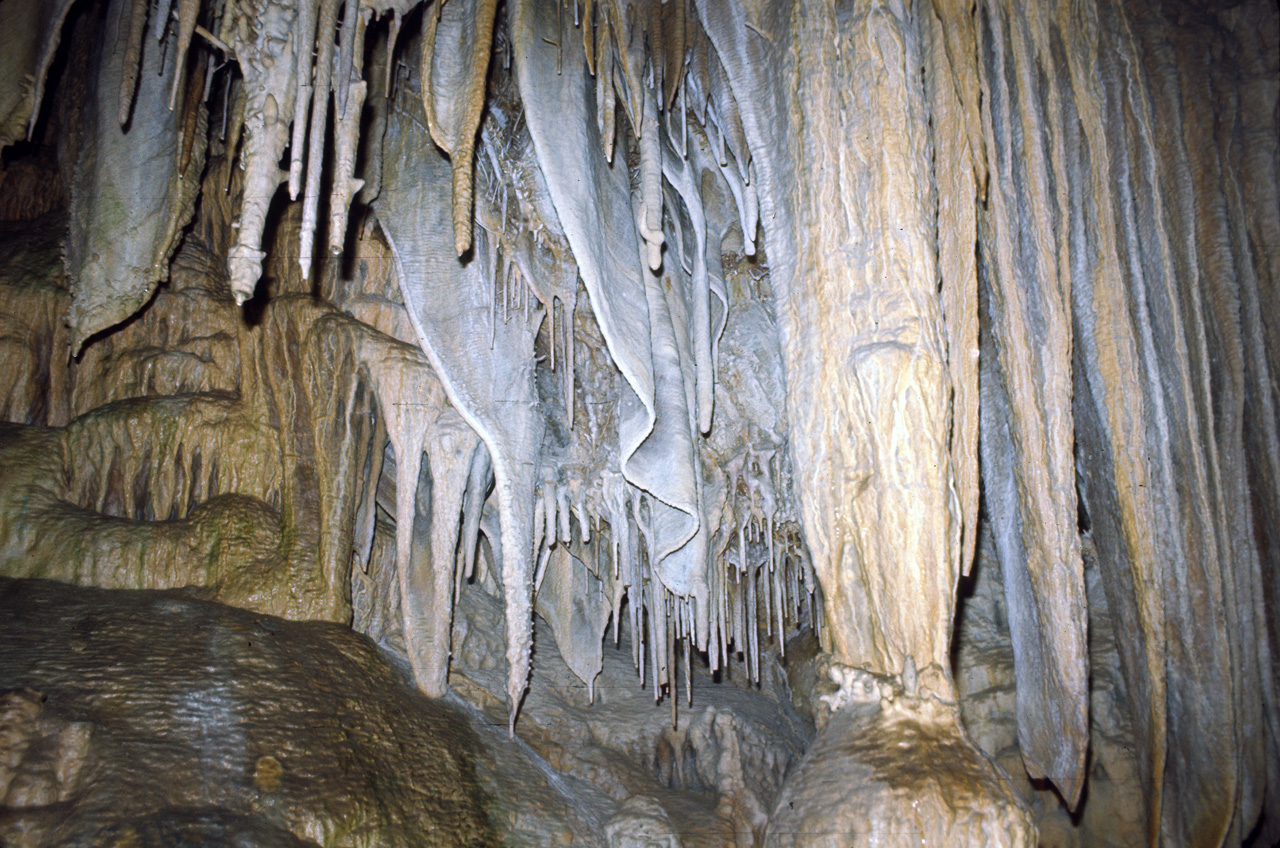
(655, 57)
(300, 59)
(303, 83)
(599, 538)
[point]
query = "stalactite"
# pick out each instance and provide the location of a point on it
(1033, 513)
(303, 98)
(455, 58)
(265, 51)
(649, 223)
(188, 13)
(347, 123)
(132, 58)
(322, 80)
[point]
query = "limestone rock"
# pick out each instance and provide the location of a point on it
(157, 716)
(899, 772)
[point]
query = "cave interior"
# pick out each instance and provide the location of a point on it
(635, 423)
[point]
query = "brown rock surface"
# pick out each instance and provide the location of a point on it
(164, 719)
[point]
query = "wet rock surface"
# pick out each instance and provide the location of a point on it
(156, 718)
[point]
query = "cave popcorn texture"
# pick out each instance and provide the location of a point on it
(719, 316)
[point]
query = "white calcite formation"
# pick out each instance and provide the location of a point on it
(703, 320)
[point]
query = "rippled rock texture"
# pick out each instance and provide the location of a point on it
(146, 718)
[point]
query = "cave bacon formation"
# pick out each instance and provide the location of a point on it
(731, 304)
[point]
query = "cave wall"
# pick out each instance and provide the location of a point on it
(718, 316)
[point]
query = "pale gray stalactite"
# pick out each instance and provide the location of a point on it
(606, 94)
(129, 202)
(450, 447)
(688, 183)
(188, 14)
(346, 131)
(729, 120)
(627, 26)
(302, 98)
(379, 72)
(576, 602)
(747, 201)
(1034, 515)
(263, 36)
(479, 484)
(350, 40)
(327, 19)
(649, 216)
(160, 21)
(347, 352)
(407, 431)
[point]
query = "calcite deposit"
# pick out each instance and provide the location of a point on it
(544, 340)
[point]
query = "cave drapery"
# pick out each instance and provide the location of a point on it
(741, 309)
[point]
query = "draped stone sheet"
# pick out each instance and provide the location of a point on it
(1028, 431)
(484, 361)
(1137, 211)
(130, 200)
(592, 199)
